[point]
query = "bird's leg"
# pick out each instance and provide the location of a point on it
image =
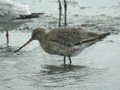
(64, 60)
(70, 60)
(65, 11)
(60, 12)
(7, 38)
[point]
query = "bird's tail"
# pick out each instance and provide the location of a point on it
(97, 38)
(32, 15)
(101, 36)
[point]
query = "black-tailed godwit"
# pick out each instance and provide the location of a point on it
(65, 41)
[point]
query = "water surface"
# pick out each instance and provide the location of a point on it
(96, 68)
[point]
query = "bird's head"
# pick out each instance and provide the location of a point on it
(37, 34)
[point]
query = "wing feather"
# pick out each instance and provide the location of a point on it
(70, 36)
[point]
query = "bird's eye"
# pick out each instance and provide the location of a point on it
(74, 32)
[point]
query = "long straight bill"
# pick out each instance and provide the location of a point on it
(23, 45)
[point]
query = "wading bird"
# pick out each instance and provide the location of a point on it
(12, 15)
(64, 41)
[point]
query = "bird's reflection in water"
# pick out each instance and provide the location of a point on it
(60, 76)
(54, 69)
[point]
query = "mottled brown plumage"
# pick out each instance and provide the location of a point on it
(65, 41)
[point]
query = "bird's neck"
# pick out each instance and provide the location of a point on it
(42, 37)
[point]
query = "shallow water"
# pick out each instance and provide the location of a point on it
(96, 68)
